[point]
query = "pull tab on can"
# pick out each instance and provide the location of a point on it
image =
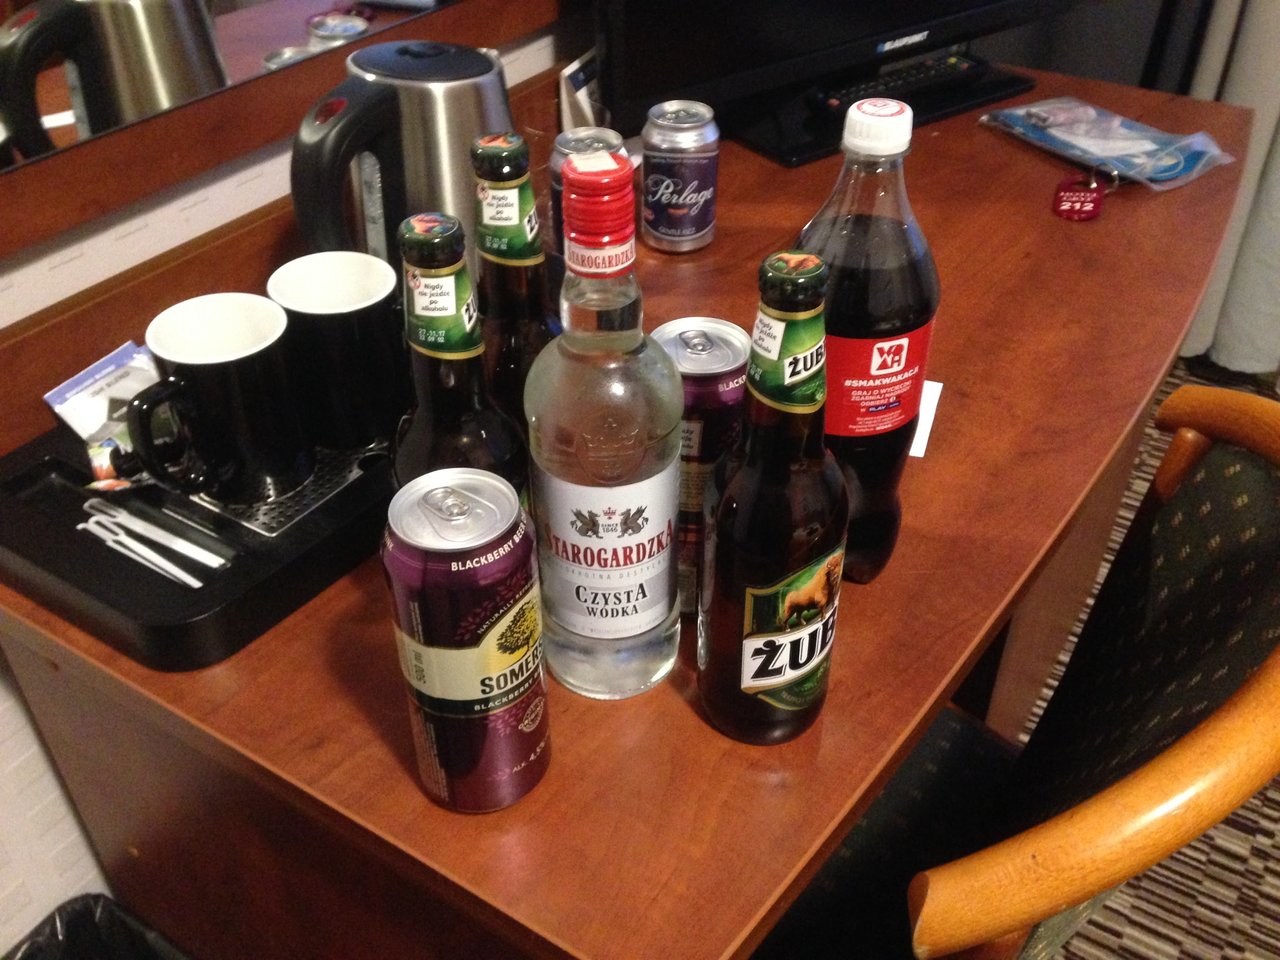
(697, 342)
(447, 503)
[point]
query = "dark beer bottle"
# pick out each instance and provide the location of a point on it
(455, 422)
(511, 282)
(775, 533)
(881, 299)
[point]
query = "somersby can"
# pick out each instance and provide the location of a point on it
(681, 160)
(459, 560)
(711, 355)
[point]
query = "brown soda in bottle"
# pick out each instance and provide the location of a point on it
(881, 299)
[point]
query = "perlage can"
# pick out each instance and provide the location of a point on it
(459, 559)
(678, 183)
(711, 356)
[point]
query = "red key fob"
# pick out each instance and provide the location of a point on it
(1079, 197)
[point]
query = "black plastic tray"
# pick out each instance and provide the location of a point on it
(156, 621)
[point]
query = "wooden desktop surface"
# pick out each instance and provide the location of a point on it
(269, 806)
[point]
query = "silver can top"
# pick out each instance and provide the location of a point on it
(704, 346)
(588, 139)
(681, 114)
(336, 27)
(457, 508)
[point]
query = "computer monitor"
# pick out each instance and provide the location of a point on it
(780, 73)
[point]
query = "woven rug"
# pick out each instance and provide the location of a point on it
(1219, 897)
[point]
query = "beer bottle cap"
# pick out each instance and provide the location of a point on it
(877, 127)
(500, 156)
(793, 280)
(432, 240)
(599, 197)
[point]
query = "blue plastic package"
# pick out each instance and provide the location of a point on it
(1106, 141)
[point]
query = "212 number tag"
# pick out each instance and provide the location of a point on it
(1079, 197)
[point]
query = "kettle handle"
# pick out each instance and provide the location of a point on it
(27, 40)
(356, 117)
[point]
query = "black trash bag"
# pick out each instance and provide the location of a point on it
(93, 927)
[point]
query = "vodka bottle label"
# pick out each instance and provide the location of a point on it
(606, 552)
(601, 262)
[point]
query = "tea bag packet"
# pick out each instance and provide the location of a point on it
(94, 401)
(1104, 141)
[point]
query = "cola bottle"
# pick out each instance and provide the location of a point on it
(881, 300)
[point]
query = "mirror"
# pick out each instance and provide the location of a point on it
(95, 65)
(44, 197)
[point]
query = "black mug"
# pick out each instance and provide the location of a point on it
(346, 345)
(225, 378)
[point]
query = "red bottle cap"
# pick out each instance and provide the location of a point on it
(599, 195)
(599, 214)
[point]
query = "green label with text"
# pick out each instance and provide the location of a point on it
(441, 318)
(788, 359)
(507, 227)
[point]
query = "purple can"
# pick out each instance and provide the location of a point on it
(711, 356)
(459, 560)
(681, 159)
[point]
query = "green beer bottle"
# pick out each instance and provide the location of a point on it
(775, 520)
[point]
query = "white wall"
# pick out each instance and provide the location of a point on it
(44, 857)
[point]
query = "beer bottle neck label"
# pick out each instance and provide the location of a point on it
(441, 318)
(788, 629)
(507, 226)
(876, 384)
(788, 360)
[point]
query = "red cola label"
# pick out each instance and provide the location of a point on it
(874, 386)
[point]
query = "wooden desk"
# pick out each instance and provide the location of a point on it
(268, 806)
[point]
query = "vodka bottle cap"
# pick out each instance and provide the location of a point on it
(877, 127)
(599, 197)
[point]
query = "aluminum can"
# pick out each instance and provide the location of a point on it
(712, 357)
(678, 185)
(575, 140)
(459, 560)
(333, 29)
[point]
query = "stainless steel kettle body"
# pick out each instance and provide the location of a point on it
(128, 59)
(405, 117)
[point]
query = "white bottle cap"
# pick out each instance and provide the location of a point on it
(877, 127)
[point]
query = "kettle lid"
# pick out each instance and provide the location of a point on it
(421, 61)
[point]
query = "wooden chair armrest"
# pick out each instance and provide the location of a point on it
(1125, 829)
(1244, 419)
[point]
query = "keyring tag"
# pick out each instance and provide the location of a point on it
(1079, 197)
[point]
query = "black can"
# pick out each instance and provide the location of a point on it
(711, 355)
(459, 560)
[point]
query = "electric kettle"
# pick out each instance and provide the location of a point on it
(126, 59)
(403, 122)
